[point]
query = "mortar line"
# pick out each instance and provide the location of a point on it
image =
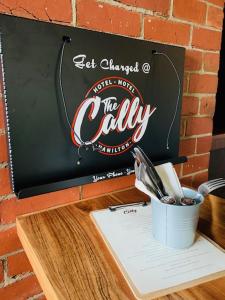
(183, 138)
(5, 256)
(142, 26)
(36, 296)
(171, 9)
(212, 4)
(194, 173)
(7, 197)
(191, 36)
(74, 13)
(19, 277)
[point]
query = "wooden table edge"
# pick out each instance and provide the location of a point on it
(38, 270)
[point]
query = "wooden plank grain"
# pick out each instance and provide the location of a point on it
(72, 261)
(68, 255)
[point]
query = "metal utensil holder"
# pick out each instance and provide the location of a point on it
(175, 226)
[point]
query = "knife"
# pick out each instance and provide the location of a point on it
(151, 171)
(140, 171)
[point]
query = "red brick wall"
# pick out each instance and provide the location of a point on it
(194, 24)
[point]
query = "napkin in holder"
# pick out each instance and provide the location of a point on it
(169, 178)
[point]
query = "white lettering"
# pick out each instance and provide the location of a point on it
(79, 62)
(108, 64)
(130, 114)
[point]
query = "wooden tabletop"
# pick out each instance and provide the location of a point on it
(72, 262)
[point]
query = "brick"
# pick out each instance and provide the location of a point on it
(1, 86)
(187, 147)
(200, 178)
(193, 60)
(107, 186)
(18, 264)
(5, 186)
(57, 10)
(206, 39)
(215, 17)
(191, 10)
(203, 83)
(4, 9)
(1, 271)
(22, 8)
(195, 164)
(197, 126)
(204, 144)
(9, 241)
(211, 62)
(104, 17)
(21, 12)
(166, 31)
(21, 290)
(9, 5)
(217, 2)
(177, 169)
(160, 6)
(12, 208)
(190, 105)
(3, 149)
(2, 117)
(207, 105)
(185, 82)
(186, 181)
(183, 127)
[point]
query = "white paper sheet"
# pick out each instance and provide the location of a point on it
(151, 266)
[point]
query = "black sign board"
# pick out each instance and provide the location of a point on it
(68, 87)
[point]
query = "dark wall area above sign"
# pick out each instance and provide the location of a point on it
(70, 91)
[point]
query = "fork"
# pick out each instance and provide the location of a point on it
(211, 185)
